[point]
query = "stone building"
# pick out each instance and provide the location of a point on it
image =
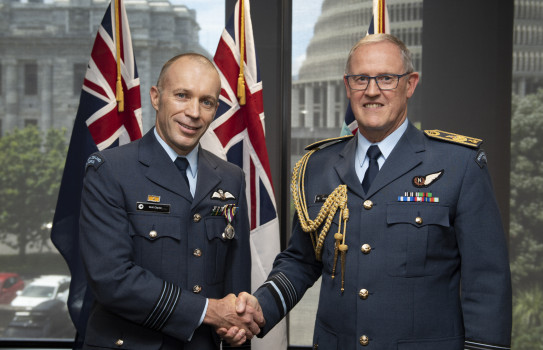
(528, 47)
(318, 94)
(45, 48)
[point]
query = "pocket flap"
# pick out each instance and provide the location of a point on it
(216, 226)
(153, 227)
(417, 214)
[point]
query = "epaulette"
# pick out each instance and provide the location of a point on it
(328, 142)
(454, 138)
(95, 160)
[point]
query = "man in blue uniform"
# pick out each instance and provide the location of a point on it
(401, 224)
(164, 226)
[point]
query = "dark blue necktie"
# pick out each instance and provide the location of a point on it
(373, 153)
(182, 164)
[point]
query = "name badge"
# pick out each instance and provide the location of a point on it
(153, 207)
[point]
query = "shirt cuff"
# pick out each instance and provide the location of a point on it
(201, 318)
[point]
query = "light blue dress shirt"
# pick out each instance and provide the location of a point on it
(361, 161)
(192, 157)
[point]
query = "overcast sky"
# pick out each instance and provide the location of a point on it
(210, 17)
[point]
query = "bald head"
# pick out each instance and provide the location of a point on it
(194, 58)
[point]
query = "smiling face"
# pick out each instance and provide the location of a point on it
(185, 101)
(378, 113)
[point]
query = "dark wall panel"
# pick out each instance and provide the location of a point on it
(466, 83)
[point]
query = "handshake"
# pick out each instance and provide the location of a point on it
(236, 320)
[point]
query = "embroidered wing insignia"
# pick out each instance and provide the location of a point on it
(222, 195)
(425, 181)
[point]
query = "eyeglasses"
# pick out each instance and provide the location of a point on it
(384, 81)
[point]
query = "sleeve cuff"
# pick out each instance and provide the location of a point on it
(473, 345)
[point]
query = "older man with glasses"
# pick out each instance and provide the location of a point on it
(401, 224)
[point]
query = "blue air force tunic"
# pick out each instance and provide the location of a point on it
(425, 264)
(152, 253)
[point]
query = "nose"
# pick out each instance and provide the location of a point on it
(373, 88)
(193, 108)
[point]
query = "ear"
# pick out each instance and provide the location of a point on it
(155, 97)
(412, 82)
(347, 88)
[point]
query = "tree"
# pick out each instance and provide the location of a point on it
(30, 179)
(526, 223)
(528, 320)
(526, 213)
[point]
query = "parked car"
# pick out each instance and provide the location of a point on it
(49, 287)
(49, 319)
(10, 284)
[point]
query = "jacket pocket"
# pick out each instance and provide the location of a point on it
(107, 331)
(408, 228)
(157, 241)
(218, 247)
(452, 343)
(323, 338)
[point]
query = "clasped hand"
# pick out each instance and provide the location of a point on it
(235, 319)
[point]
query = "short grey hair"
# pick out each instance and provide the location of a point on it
(377, 38)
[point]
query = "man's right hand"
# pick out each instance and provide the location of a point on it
(238, 320)
(246, 304)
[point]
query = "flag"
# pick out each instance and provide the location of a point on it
(237, 135)
(109, 115)
(379, 24)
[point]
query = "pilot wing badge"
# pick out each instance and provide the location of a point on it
(222, 195)
(425, 181)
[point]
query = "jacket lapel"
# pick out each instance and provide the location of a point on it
(160, 168)
(345, 167)
(407, 154)
(208, 176)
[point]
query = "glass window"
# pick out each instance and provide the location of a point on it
(78, 76)
(50, 68)
(31, 79)
(526, 239)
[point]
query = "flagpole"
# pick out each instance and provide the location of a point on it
(241, 79)
(119, 89)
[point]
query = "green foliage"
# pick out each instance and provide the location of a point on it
(526, 220)
(526, 213)
(528, 319)
(30, 179)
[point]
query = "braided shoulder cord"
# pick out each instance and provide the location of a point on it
(336, 200)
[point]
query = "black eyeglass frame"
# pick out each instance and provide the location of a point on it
(398, 76)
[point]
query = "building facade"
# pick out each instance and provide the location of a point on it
(318, 93)
(45, 48)
(528, 47)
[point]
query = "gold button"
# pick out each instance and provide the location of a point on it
(366, 248)
(363, 294)
(418, 220)
(368, 204)
(315, 346)
(196, 289)
(153, 234)
(364, 340)
(197, 217)
(197, 252)
(119, 342)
